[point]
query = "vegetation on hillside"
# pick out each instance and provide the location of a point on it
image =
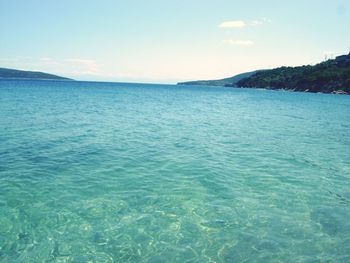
(6, 73)
(332, 76)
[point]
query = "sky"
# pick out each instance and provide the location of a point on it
(166, 41)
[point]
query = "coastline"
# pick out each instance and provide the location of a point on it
(335, 92)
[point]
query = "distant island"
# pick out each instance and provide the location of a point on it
(331, 76)
(6, 73)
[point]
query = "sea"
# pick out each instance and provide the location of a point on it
(118, 172)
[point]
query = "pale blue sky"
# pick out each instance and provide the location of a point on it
(168, 41)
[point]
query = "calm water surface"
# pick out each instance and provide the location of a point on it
(103, 172)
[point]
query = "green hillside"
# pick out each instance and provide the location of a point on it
(331, 76)
(219, 82)
(6, 73)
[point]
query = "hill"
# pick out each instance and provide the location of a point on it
(219, 82)
(331, 76)
(6, 73)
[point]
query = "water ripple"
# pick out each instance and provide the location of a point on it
(103, 172)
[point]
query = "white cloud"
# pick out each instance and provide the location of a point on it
(239, 42)
(83, 66)
(8, 60)
(232, 24)
(256, 23)
(267, 20)
(241, 23)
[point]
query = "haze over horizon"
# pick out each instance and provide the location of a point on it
(165, 41)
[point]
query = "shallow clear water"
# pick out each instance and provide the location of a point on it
(103, 172)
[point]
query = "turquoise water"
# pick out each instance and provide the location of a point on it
(103, 172)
